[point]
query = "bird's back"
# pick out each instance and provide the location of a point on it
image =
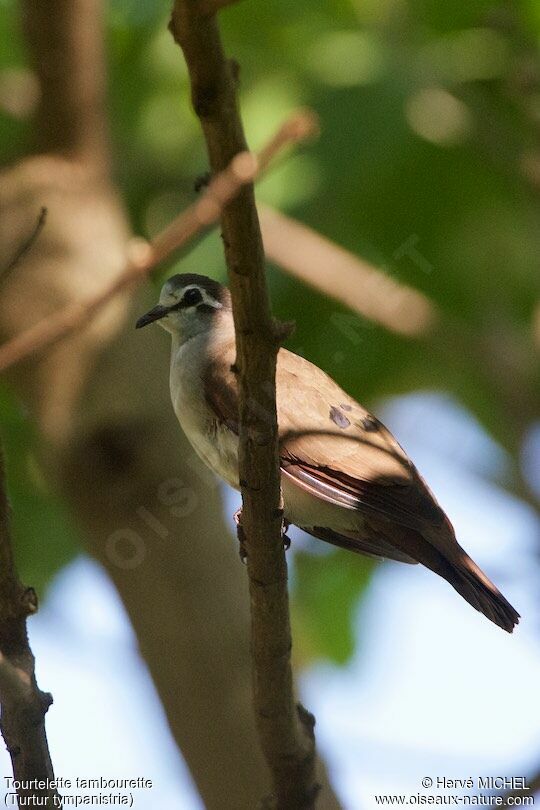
(347, 480)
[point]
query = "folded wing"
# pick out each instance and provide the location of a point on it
(337, 452)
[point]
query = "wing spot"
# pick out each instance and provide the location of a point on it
(339, 418)
(369, 423)
(345, 407)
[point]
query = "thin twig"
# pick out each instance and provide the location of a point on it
(243, 168)
(23, 704)
(25, 247)
(286, 733)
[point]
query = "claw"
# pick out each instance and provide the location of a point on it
(284, 536)
(237, 517)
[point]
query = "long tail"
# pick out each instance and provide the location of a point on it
(457, 568)
(442, 554)
(481, 593)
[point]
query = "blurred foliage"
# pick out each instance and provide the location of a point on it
(44, 537)
(430, 116)
(326, 590)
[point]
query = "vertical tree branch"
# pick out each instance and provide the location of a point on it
(70, 64)
(23, 705)
(286, 733)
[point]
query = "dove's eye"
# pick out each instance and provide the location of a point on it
(192, 297)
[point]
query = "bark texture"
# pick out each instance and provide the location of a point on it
(286, 732)
(23, 704)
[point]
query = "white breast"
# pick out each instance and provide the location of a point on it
(215, 444)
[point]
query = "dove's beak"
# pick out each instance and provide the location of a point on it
(154, 314)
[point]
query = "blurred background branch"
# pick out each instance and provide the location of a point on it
(144, 258)
(26, 246)
(209, 7)
(67, 50)
(346, 278)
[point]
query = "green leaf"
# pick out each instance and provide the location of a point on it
(43, 535)
(327, 589)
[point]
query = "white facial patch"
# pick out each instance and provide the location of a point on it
(206, 297)
(173, 295)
